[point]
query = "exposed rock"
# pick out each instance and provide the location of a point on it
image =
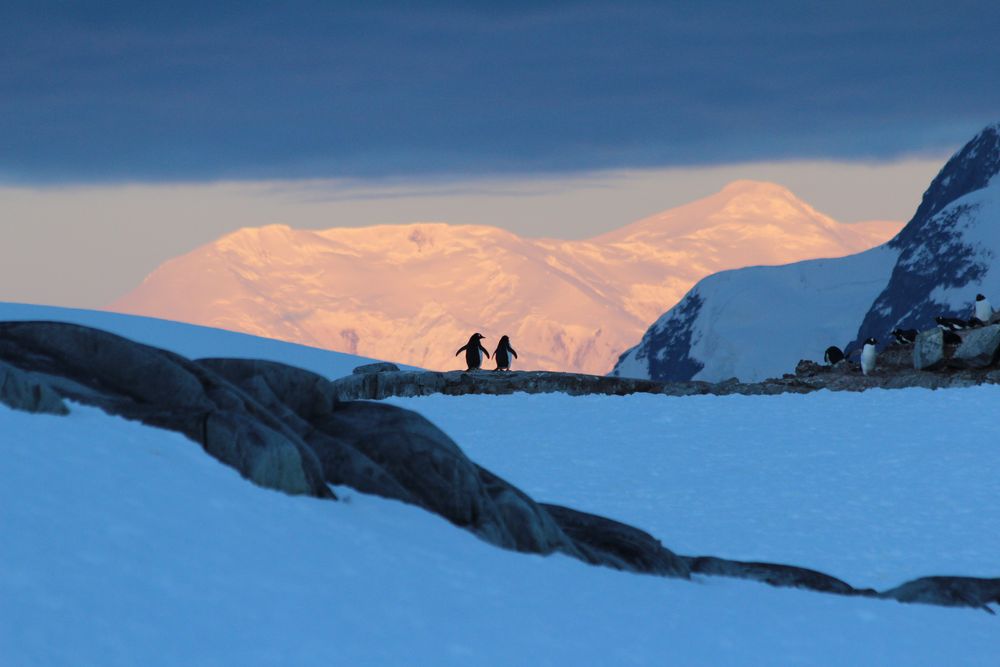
(949, 591)
(786, 576)
(377, 367)
(396, 453)
(979, 347)
(168, 391)
(617, 544)
(21, 391)
(438, 475)
(928, 350)
(304, 400)
(894, 371)
(457, 383)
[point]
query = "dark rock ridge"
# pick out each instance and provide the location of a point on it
(284, 428)
(19, 390)
(166, 390)
(895, 370)
(290, 429)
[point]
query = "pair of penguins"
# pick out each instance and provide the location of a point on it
(474, 352)
(949, 325)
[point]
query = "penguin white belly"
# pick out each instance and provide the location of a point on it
(984, 311)
(868, 359)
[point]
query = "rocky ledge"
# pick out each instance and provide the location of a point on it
(929, 363)
(287, 429)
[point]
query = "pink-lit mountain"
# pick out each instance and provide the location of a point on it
(414, 293)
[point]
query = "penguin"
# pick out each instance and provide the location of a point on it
(904, 336)
(502, 354)
(474, 352)
(833, 355)
(951, 338)
(984, 311)
(868, 356)
(951, 323)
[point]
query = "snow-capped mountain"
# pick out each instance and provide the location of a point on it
(947, 252)
(758, 322)
(414, 293)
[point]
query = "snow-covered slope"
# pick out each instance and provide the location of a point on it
(758, 322)
(127, 545)
(190, 340)
(755, 323)
(948, 252)
(414, 293)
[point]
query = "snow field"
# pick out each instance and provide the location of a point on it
(123, 544)
(874, 488)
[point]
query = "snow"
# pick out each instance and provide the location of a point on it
(869, 487)
(192, 341)
(758, 322)
(124, 545)
(980, 212)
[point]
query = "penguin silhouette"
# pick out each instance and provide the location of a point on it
(833, 355)
(474, 352)
(502, 354)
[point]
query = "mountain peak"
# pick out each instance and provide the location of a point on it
(742, 209)
(748, 187)
(970, 169)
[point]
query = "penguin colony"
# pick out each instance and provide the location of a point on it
(982, 315)
(474, 352)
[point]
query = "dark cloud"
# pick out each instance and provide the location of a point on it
(154, 91)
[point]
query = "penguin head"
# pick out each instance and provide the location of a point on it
(980, 297)
(871, 341)
(504, 340)
(477, 337)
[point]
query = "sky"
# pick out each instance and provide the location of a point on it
(551, 119)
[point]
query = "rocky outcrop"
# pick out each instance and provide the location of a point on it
(376, 386)
(619, 545)
(949, 592)
(928, 350)
(774, 574)
(979, 347)
(283, 428)
(168, 391)
(894, 370)
(377, 367)
(291, 430)
(21, 391)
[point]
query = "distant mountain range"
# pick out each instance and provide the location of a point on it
(414, 293)
(754, 323)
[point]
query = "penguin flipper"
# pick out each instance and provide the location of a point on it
(512, 352)
(484, 351)
(461, 348)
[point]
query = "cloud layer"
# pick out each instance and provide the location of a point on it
(93, 92)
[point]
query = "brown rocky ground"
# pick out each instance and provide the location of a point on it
(973, 362)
